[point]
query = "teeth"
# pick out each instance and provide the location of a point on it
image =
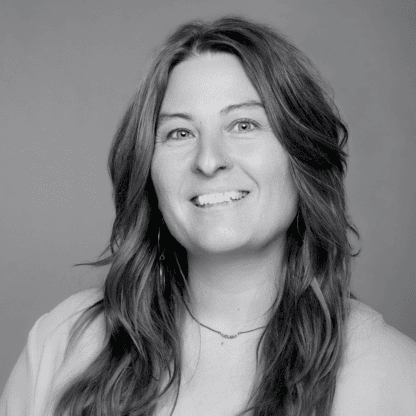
(219, 198)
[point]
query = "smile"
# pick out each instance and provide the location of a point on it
(219, 198)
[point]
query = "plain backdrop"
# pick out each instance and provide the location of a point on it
(67, 71)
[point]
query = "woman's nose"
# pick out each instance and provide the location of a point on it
(211, 156)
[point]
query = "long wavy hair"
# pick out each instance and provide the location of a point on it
(300, 350)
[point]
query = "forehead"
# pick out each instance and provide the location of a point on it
(208, 79)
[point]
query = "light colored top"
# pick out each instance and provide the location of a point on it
(377, 376)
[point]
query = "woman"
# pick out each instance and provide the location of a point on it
(228, 291)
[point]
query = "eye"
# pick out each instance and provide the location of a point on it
(245, 125)
(178, 134)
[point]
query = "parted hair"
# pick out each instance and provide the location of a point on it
(300, 351)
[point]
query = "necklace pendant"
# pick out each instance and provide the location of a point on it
(229, 336)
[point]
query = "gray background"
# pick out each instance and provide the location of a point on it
(67, 70)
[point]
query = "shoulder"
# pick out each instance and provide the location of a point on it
(61, 318)
(367, 333)
(49, 337)
(378, 371)
(42, 369)
(72, 307)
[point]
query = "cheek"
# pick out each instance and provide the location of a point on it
(158, 180)
(165, 184)
(282, 190)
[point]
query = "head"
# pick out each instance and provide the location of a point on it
(299, 111)
(214, 141)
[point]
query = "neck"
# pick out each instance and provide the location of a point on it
(233, 292)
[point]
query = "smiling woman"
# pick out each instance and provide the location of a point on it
(228, 147)
(229, 288)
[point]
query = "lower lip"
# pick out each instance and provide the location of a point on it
(220, 205)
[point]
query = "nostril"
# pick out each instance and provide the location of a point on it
(225, 163)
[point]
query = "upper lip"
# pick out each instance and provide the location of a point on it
(218, 191)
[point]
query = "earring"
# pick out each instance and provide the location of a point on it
(297, 223)
(160, 264)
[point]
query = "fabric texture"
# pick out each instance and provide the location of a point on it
(377, 376)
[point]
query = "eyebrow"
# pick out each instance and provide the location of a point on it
(163, 117)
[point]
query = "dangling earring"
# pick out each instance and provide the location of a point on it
(160, 264)
(297, 223)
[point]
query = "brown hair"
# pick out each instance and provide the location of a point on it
(300, 350)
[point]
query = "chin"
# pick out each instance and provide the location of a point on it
(220, 244)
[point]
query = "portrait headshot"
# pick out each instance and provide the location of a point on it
(208, 208)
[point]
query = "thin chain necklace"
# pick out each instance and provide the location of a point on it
(218, 332)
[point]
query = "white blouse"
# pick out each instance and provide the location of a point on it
(377, 376)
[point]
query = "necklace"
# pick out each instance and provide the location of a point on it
(218, 332)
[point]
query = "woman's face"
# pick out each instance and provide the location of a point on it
(221, 176)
